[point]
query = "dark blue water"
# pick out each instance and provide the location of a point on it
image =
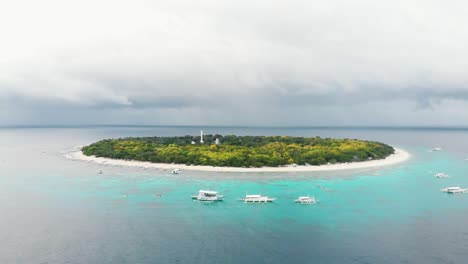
(55, 210)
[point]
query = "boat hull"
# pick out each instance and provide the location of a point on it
(306, 202)
(207, 199)
(268, 200)
(454, 191)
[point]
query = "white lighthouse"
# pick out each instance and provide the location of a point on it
(201, 137)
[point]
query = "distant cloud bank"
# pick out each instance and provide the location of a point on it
(234, 62)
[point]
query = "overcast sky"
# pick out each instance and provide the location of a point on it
(237, 62)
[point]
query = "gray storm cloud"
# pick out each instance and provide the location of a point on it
(234, 62)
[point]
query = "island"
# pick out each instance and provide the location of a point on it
(239, 151)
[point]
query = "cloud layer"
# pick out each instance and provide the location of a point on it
(234, 62)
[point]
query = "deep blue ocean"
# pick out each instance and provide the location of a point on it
(54, 210)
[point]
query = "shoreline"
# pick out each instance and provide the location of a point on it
(398, 157)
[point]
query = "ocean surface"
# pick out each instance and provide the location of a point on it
(54, 210)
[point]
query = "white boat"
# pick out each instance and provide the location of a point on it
(176, 171)
(306, 200)
(436, 149)
(441, 175)
(207, 196)
(257, 198)
(453, 190)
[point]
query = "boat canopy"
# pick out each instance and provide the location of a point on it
(207, 192)
(253, 196)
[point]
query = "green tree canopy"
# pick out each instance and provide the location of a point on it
(240, 151)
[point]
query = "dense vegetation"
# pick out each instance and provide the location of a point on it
(240, 151)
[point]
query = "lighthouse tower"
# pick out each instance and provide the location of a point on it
(201, 137)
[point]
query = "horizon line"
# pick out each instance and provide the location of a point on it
(236, 126)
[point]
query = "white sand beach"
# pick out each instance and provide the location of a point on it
(398, 157)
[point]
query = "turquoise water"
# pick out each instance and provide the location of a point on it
(60, 211)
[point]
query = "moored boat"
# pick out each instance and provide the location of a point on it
(441, 175)
(306, 200)
(208, 196)
(453, 190)
(257, 198)
(176, 171)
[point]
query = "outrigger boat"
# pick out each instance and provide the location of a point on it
(441, 175)
(257, 198)
(306, 200)
(454, 190)
(207, 196)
